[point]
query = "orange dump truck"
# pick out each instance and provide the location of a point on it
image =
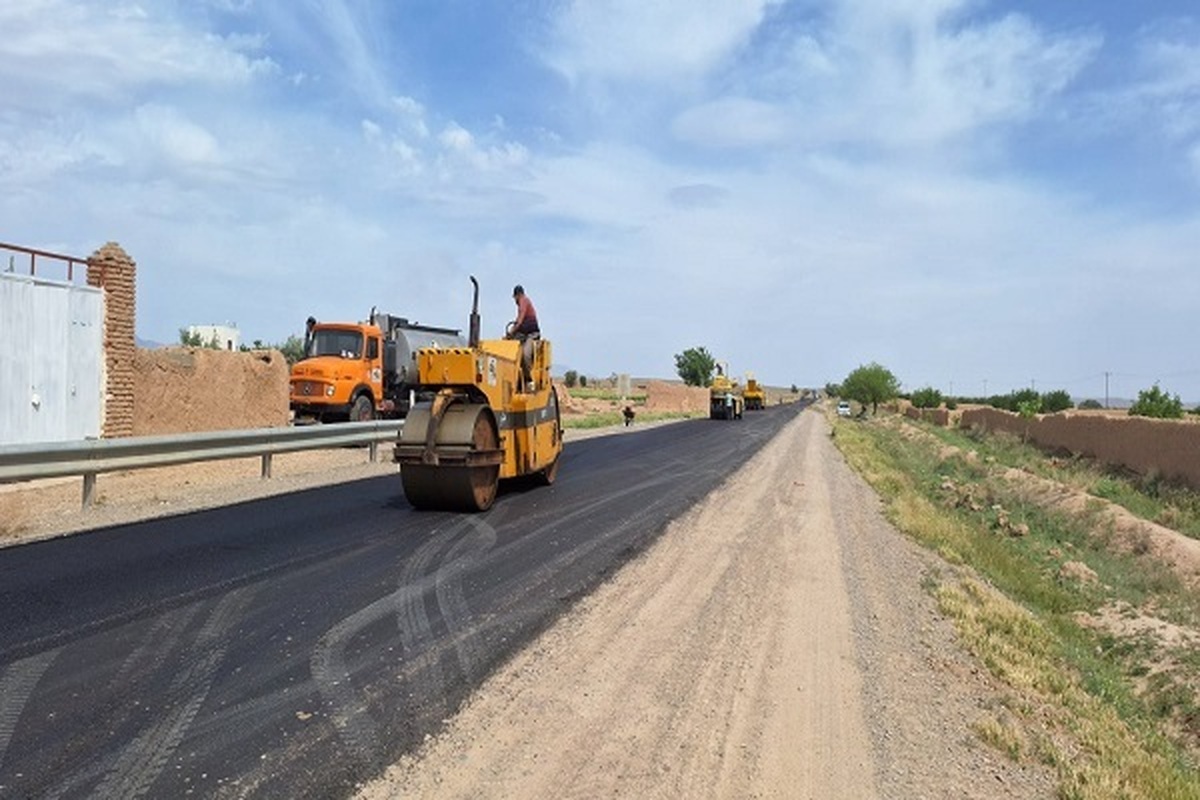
(359, 371)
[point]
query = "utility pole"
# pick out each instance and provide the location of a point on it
(1033, 384)
(985, 394)
(1106, 374)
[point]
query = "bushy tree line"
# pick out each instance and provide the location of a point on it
(1154, 402)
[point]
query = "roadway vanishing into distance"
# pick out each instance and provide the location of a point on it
(295, 646)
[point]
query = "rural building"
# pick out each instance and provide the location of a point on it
(227, 336)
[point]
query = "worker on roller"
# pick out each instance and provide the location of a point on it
(526, 324)
(524, 328)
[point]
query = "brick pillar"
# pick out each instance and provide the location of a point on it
(112, 270)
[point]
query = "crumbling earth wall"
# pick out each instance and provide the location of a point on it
(188, 390)
(1168, 448)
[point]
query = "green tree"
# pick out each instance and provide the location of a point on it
(1058, 400)
(1154, 402)
(190, 339)
(1091, 404)
(871, 384)
(571, 378)
(583, 381)
(695, 366)
(927, 397)
(292, 349)
(1015, 401)
(833, 390)
(795, 389)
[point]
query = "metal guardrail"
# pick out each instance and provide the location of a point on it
(26, 462)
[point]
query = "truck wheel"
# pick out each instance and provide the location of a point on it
(362, 410)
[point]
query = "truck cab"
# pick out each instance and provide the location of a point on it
(341, 374)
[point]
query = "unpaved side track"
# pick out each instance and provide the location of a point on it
(775, 642)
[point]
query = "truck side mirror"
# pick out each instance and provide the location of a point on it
(372, 348)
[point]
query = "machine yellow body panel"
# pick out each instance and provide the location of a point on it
(754, 395)
(483, 417)
(725, 397)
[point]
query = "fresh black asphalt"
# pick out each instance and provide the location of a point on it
(295, 646)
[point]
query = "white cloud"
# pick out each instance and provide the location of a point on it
(459, 146)
(55, 53)
(649, 41)
(733, 122)
(892, 75)
(177, 138)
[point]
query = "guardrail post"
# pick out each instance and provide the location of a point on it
(373, 451)
(89, 489)
(266, 466)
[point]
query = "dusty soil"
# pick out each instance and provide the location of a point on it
(1128, 533)
(775, 642)
(187, 389)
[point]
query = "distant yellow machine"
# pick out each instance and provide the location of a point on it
(754, 394)
(725, 398)
(484, 413)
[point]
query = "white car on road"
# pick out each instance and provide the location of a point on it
(843, 408)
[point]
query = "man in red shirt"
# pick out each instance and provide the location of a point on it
(525, 329)
(526, 322)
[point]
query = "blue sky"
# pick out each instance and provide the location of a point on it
(964, 191)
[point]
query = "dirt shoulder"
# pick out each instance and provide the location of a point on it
(775, 642)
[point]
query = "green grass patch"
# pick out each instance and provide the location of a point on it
(588, 393)
(1146, 496)
(1015, 612)
(604, 419)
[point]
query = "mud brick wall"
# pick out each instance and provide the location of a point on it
(111, 269)
(1169, 448)
(189, 390)
(938, 416)
(662, 396)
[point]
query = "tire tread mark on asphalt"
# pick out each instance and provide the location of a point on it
(73, 634)
(16, 685)
(147, 658)
(426, 678)
(351, 718)
(143, 759)
(349, 712)
(463, 555)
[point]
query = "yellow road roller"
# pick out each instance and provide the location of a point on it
(483, 413)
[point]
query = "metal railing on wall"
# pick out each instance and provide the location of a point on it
(26, 462)
(70, 261)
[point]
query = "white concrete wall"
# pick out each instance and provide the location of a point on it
(51, 360)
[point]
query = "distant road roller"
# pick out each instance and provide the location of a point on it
(754, 394)
(483, 413)
(725, 398)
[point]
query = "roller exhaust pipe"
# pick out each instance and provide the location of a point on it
(473, 326)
